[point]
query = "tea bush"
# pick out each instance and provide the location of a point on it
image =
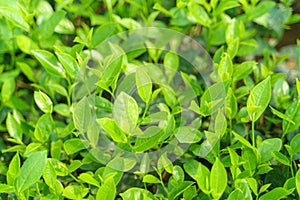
(186, 99)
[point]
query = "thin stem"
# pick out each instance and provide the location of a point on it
(253, 134)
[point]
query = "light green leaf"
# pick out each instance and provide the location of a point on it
(217, 184)
(126, 112)
(43, 101)
(69, 63)
(150, 179)
(187, 134)
(49, 175)
(8, 89)
(259, 99)
(74, 145)
(112, 129)
(165, 163)
(82, 114)
(14, 128)
(295, 144)
(31, 170)
(197, 14)
(225, 68)
(143, 84)
(298, 181)
(267, 147)
(101, 33)
(275, 194)
(180, 188)
(137, 193)
(200, 173)
(49, 62)
(13, 170)
(43, 128)
(48, 26)
(107, 190)
(26, 44)
(281, 158)
(149, 139)
(75, 192)
(88, 178)
(236, 194)
(253, 185)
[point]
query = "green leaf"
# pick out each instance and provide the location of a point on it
(212, 99)
(111, 72)
(48, 26)
(259, 99)
(49, 175)
(13, 170)
(187, 134)
(197, 14)
(74, 145)
(126, 112)
(242, 70)
(8, 89)
(295, 144)
(75, 192)
(231, 104)
(6, 188)
(165, 163)
(82, 114)
(267, 147)
(250, 160)
(150, 179)
(43, 128)
(88, 178)
(112, 129)
(49, 62)
(200, 173)
(122, 163)
(69, 63)
(26, 44)
(264, 188)
(253, 185)
(107, 190)
(149, 139)
(217, 184)
(143, 84)
(102, 33)
(281, 115)
(137, 193)
(171, 62)
(293, 113)
(276, 194)
(176, 191)
(261, 9)
(236, 194)
(242, 140)
(27, 70)
(43, 101)
(298, 181)
(14, 128)
(13, 14)
(281, 158)
(225, 5)
(225, 68)
(31, 170)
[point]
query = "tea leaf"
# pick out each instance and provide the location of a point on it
(259, 99)
(49, 62)
(31, 170)
(217, 184)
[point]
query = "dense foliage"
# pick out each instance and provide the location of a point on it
(96, 106)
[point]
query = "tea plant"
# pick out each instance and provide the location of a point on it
(148, 100)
